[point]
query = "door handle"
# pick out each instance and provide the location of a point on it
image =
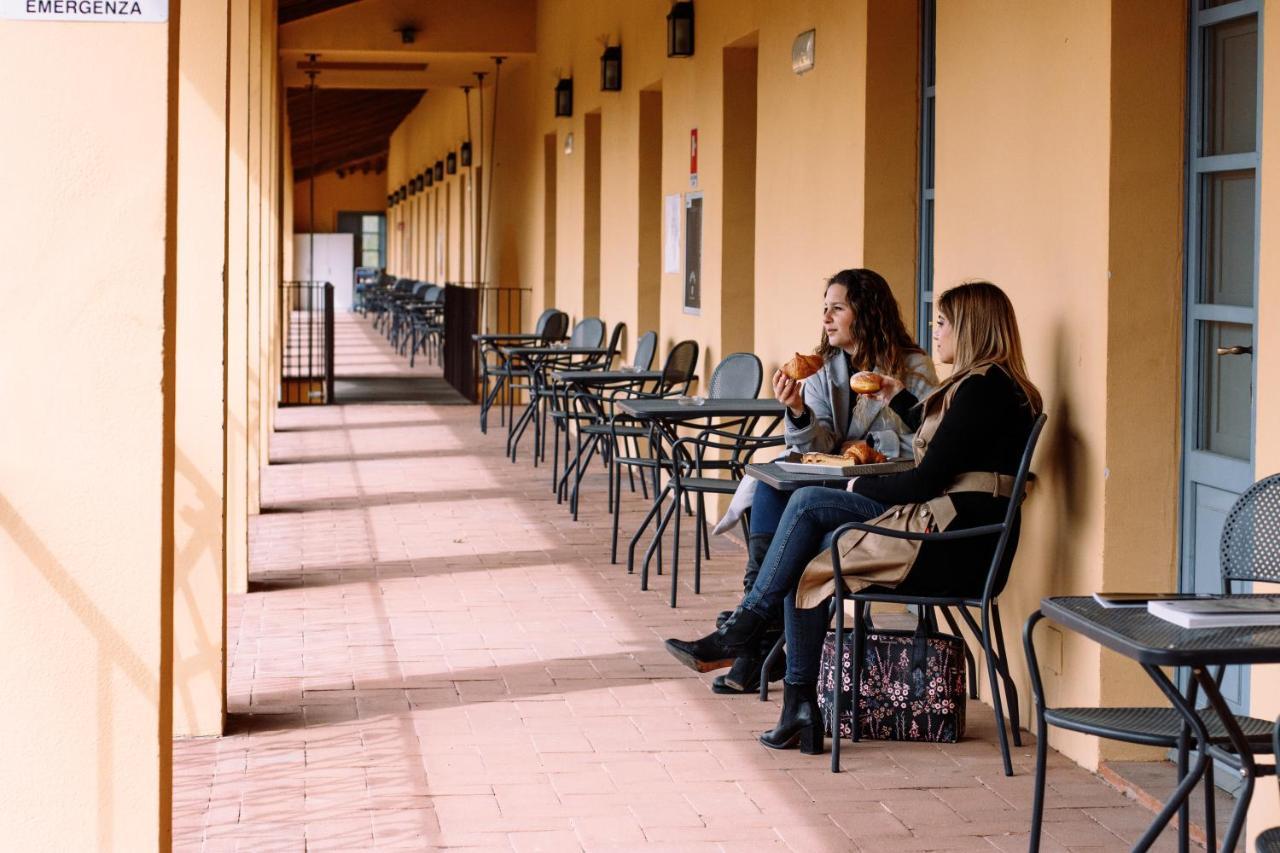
(1236, 350)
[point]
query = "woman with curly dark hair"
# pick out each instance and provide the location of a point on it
(862, 332)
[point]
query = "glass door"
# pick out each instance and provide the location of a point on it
(1224, 123)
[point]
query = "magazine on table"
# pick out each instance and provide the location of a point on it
(1237, 612)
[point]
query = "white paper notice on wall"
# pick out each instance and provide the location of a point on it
(100, 11)
(671, 233)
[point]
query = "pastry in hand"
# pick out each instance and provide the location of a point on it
(861, 453)
(802, 366)
(865, 383)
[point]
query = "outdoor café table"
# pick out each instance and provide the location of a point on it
(1153, 643)
(536, 358)
(603, 381)
(495, 339)
(665, 416)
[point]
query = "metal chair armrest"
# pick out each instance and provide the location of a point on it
(941, 536)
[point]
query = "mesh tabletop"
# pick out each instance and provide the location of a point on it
(1137, 634)
(553, 351)
(669, 409)
(788, 481)
(603, 377)
(506, 336)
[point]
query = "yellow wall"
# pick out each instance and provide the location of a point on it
(356, 193)
(1022, 199)
(86, 480)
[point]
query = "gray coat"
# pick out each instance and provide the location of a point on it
(826, 398)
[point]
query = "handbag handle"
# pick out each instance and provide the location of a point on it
(920, 645)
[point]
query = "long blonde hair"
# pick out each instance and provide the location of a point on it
(986, 333)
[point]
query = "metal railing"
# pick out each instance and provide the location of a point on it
(306, 343)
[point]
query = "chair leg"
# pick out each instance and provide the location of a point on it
(675, 548)
(616, 477)
(1010, 689)
(698, 531)
(769, 660)
(992, 676)
(970, 664)
(1037, 802)
(855, 673)
(702, 525)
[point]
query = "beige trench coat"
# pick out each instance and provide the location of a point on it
(873, 559)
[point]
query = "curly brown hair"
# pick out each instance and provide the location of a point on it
(880, 339)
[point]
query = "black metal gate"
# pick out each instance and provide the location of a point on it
(306, 343)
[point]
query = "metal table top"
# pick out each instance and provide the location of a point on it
(1137, 634)
(553, 351)
(507, 336)
(788, 481)
(671, 409)
(600, 377)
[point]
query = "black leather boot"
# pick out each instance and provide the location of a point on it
(744, 675)
(718, 649)
(757, 547)
(800, 723)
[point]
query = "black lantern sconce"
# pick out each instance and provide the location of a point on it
(564, 97)
(439, 170)
(419, 184)
(413, 186)
(429, 176)
(464, 154)
(680, 29)
(451, 163)
(611, 69)
(391, 200)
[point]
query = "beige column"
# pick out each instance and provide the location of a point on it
(86, 481)
(237, 393)
(253, 330)
(199, 584)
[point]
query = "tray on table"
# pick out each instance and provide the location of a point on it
(791, 463)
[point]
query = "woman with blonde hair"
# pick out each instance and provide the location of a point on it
(972, 432)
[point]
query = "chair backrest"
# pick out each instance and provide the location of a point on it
(555, 327)
(404, 285)
(737, 376)
(433, 293)
(543, 318)
(1250, 546)
(615, 342)
(999, 572)
(589, 332)
(681, 362)
(420, 289)
(645, 349)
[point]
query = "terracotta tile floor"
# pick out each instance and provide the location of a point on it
(433, 655)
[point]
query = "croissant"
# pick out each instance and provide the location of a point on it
(861, 453)
(802, 366)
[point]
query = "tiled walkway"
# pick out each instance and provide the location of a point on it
(433, 655)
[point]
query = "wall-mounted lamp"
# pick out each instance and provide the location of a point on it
(611, 69)
(421, 183)
(439, 170)
(391, 200)
(564, 97)
(413, 186)
(568, 143)
(408, 32)
(451, 163)
(464, 153)
(430, 176)
(680, 29)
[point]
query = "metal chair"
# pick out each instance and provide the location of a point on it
(646, 347)
(1249, 550)
(986, 604)
(677, 376)
(562, 412)
(494, 368)
(737, 376)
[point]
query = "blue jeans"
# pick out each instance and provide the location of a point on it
(804, 531)
(766, 509)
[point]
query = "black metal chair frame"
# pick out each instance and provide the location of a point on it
(988, 631)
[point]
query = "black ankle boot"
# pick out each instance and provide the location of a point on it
(744, 675)
(718, 649)
(757, 547)
(801, 721)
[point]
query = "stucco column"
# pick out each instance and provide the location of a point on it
(237, 476)
(86, 479)
(199, 584)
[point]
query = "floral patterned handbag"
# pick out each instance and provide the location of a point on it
(912, 685)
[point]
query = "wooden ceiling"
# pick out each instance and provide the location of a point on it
(350, 124)
(293, 10)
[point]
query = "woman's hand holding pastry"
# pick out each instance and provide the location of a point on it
(874, 385)
(788, 392)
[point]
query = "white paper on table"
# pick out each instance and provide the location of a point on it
(671, 233)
